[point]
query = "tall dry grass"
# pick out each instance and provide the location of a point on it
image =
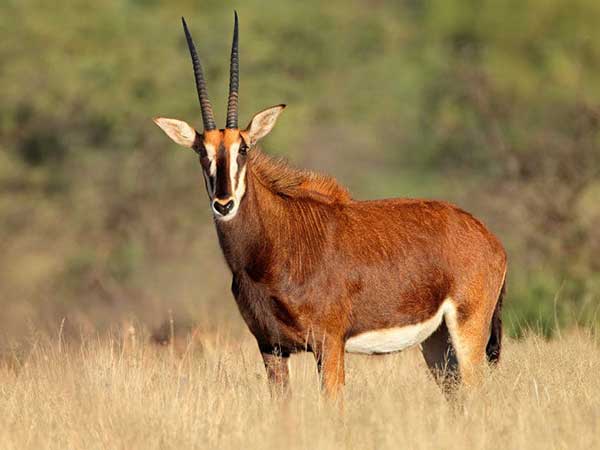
(128, 394)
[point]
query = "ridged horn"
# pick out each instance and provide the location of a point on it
(234, 80)
(207, 112)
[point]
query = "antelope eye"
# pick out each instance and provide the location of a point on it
(199, 149)
(243, 149)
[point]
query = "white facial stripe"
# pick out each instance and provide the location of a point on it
(240, 189)
(211, 154)
(212, 169)
(209, 187)
(210, 151)
(398, 338)
(233, 165)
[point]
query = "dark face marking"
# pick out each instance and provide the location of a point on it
(223, 183)
(224, 168)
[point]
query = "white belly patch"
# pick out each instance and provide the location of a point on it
(398, 338)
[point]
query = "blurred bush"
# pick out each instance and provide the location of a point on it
(492, 105)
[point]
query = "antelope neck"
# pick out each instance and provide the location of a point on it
(246, 237)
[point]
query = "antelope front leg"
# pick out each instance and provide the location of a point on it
(276, 364)
(330, 362)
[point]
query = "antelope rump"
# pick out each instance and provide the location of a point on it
(316, 270)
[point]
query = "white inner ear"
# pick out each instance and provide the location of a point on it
(263, 122)
(178, 130)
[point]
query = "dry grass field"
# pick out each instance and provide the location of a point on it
(111, 393)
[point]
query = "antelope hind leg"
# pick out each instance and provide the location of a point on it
(440, 358)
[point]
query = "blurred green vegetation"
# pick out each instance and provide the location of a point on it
(492, 105)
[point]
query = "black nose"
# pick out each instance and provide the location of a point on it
(223, 209)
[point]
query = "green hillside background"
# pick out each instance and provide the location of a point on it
(103, 221)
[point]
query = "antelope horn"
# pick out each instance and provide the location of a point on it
(207, 113)
(234, 80)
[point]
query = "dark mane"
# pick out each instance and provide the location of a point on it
(280, 178)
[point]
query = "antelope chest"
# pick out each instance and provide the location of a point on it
(269, 317)
(393, 339)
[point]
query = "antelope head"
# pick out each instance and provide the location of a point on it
(222, 152)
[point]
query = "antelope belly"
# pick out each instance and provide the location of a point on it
(389, 340)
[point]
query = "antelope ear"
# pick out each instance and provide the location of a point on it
(262, 123)
(179, 131)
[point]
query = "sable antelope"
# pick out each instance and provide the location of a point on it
(313, 269)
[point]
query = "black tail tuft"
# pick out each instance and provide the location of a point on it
(494, 344)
